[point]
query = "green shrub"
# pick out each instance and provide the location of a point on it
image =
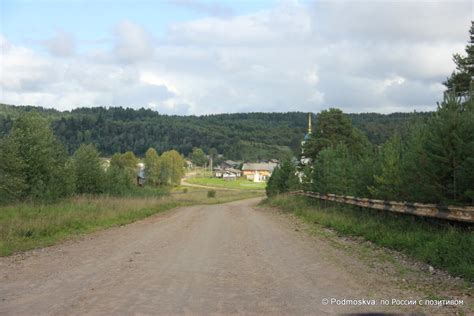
(211, 194)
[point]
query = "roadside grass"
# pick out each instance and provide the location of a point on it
(441, 244)
(241, 184)
(25, 226)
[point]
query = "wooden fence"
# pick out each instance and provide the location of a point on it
(453, 213)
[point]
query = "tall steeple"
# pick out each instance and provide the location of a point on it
(309, 123)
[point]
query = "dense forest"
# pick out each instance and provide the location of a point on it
(243, 136)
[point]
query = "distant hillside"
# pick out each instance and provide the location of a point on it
(379, 127)
(247, 136)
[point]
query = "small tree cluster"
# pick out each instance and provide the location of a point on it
(198, 157)
(32, 162)
(284, 179)
(167, 169)
(34, 165)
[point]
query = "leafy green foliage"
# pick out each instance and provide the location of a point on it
(211, 194)
(152, 167)
(88, 170)
(241, 136)
(117, 181)
(431, 161)
(172, 168)
(127, 162)
(333, 128)
(12, 180)
(45, 167)
(35, 166)
(198, 157)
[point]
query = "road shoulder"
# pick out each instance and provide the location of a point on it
(379, 267)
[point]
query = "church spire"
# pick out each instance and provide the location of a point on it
(309, 123)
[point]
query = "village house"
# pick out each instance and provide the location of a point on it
(229, 176)
(237, 172)
(227, 173)
(229, 164)
(258, 172)
(218, 172)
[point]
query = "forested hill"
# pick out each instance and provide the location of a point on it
(248, 136)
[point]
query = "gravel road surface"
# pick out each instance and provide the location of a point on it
(221, 259)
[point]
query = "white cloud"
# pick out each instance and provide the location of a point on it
(359, 56)
(29, 78)
(133, 43)
(62, 44)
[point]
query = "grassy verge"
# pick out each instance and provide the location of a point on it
(26, 226)
(242, 184)
(440, 244)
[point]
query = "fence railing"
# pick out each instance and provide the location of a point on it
(453, 213)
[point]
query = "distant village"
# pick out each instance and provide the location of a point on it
(230, 170)
(253, 171)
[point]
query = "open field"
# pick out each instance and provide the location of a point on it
(440, 244)
(26, 226)
(242, 184)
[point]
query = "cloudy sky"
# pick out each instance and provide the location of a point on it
(201, 57)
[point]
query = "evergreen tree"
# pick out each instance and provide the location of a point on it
(88, 169)
(284, 179)
(333, 128)
(460, 80)
(389, 183)
(364, 169)
(418, 179)
(449, 147)
(333, 171)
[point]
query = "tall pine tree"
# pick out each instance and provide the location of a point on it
(460, 80)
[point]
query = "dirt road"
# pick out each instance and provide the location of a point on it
(221, 259)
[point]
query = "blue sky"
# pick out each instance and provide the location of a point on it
(199, 57)
(24, 22)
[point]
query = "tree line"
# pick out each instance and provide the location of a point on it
(34, 165)
(431, 160)
(240, 136)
